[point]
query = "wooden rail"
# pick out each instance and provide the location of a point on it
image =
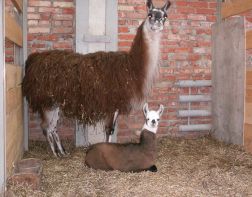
(13, 31)
(235, 7)
(18, 4)
(249, 39)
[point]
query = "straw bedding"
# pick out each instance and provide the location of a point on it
(201, 167)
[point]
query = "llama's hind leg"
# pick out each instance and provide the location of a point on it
(49, 126)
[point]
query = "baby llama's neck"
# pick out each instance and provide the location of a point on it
(148, 141)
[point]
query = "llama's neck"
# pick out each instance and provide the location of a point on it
(145, 55)
(152, 40)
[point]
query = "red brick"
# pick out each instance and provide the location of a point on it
(126, 36)
(199, 4)
(206, 11)
(62, 30)
(123, 29)
(37, 3)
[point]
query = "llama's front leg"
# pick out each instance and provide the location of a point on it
(110, 126)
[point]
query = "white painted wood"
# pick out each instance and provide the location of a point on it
(2, 103)
(96, 21)
(193, 113)
(94, 47)
(82, 15)
(195, 127)
(193, 83)
(194, 98)
(96, 30)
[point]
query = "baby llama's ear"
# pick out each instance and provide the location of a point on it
(145, 109)
(160, 110)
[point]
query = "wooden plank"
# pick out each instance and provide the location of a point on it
(2, 106)
(249, 95)
(249, 39)
(248, 137)
(235, 7)
(249, 76)
(18, 4)
(248, 113)
(13, 31)
(228, 80)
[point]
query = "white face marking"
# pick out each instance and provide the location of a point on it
(152, 119)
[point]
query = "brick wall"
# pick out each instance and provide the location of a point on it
(185, 53)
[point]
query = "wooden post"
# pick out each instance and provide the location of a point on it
(2, 102)
(228, 79)
(26, 108)
(219, 3)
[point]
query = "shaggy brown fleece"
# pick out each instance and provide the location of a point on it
(87, 87)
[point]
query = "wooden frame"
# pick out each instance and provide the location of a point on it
(13, 30)
(249, 39)
(26, 107)
(18, 4)
(2, 102)
(236, 7)
(241, 41)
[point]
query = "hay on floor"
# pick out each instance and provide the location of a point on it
(201, 167)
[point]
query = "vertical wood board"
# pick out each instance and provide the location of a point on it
(2, 102)
(228, 79)
(14, 116)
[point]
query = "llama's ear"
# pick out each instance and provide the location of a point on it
(160, 110)
(145, 109)
(149, 5)
(166, 6)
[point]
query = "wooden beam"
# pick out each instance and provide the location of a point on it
(18, 4)
(13, 31)
(235, 7)
(249, 39)
(2, 106)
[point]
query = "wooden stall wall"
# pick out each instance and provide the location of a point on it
(232, 76)
(228, 80)
(14, 101)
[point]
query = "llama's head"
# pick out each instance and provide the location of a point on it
(152, 117)
(157, 16)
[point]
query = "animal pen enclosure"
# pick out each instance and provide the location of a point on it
(232, 103)
(218, 165)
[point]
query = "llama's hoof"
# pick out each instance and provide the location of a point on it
(66, 154)
(153, 168)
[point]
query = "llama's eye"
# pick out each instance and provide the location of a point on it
(158, 119)
(148, 119)
(150, 15)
